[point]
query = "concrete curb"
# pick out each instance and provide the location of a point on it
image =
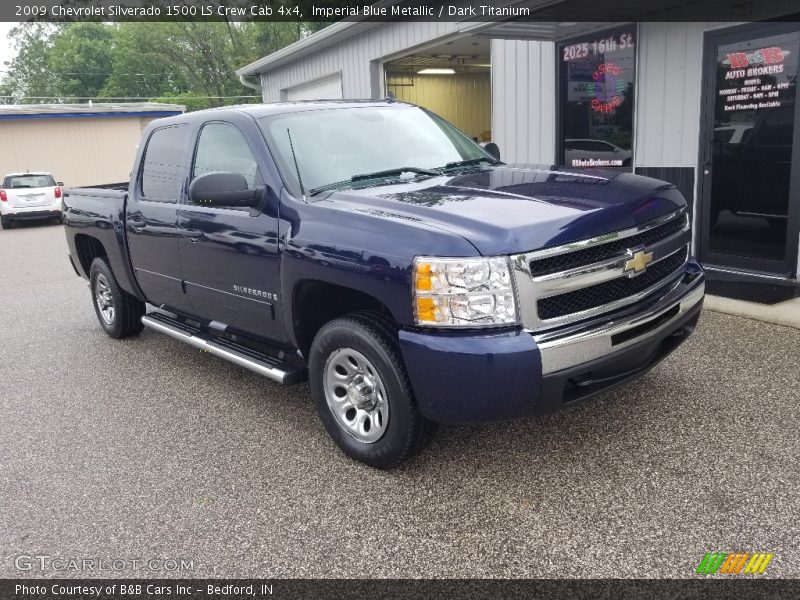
(784, 313)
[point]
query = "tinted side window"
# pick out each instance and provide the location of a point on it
(162, 169)
(222, 147)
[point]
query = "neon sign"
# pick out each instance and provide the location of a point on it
(606, 98)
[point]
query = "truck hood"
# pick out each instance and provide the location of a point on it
(518, 208)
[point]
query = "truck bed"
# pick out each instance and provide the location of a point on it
(93, 216)
(107, 189)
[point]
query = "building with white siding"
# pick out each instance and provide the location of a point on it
(707, 106)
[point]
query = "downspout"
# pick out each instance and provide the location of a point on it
(252, 86)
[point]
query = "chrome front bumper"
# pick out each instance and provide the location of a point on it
(584, 343)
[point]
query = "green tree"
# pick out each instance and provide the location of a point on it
(191, 61)
(80, 59)
(138, 66)
(29, 74)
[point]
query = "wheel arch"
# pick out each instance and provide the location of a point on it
(88, 248)
(315, 303)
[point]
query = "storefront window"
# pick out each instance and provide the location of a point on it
(597, 79)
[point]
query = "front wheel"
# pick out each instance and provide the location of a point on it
(362, 392)
(6, 222)
(119, 313)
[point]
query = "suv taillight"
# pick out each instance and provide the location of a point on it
(58, 192)
(3, 196)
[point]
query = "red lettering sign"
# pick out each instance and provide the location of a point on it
(739, 60)
(772, 55)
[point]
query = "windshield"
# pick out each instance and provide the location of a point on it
(28, 181)
(335, 145)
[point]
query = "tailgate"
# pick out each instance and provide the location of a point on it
(30, 197)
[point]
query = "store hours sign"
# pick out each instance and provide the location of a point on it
(754, 79)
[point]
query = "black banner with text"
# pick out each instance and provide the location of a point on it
(558, 11)
(388, 589)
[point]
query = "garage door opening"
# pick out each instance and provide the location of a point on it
(452, 79)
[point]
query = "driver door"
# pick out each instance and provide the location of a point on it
(230, 255)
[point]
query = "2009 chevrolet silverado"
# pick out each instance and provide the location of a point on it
(405, 271)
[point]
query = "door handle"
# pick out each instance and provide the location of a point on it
(194, 236)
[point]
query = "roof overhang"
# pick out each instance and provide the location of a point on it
(550, 20)
(324, 38)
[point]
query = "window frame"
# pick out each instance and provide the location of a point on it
(561, 83)
(140, 175)
(196, 147)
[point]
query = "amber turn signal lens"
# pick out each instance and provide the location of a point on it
(426, 309)
(423, 282)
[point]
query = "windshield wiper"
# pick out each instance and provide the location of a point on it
(390, 172)
(375, 175)
(472, 161)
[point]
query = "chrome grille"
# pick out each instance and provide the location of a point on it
(565, 284)
(570, 260)
(609, 291)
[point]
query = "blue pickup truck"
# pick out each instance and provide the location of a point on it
(405, 272)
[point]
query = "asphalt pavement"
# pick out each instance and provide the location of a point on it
(149, 449)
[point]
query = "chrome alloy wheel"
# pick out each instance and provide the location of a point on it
(356, 395)
(104, 299)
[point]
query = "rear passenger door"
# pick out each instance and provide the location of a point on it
(152, 216)
(230, 255)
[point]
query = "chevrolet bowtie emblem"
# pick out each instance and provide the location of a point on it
(638, 261)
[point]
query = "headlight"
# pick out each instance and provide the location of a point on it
(463, 292)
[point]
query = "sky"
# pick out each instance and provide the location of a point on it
(6, 51)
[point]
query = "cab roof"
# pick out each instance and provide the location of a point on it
(258, 111)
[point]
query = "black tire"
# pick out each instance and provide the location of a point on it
(6, 222)
(374, 337)
(125, 319)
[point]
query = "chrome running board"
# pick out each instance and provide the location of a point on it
(255, 361)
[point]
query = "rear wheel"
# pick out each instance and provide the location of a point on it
(362, 392)
(6, 222)
(119, 313)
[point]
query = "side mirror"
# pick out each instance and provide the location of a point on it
(223, 189)
(60, 183)
(492, 149)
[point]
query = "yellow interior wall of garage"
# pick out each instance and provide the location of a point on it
(464, 99)
(83, 151)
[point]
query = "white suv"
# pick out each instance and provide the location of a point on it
(29, 196)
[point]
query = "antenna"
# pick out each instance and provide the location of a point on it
(296, 168)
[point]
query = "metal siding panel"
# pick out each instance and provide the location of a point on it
(520, 112)
(533, 141)
(508, 101)
(523, 96)
(497, 54)
(669, 92)
(547, 106)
